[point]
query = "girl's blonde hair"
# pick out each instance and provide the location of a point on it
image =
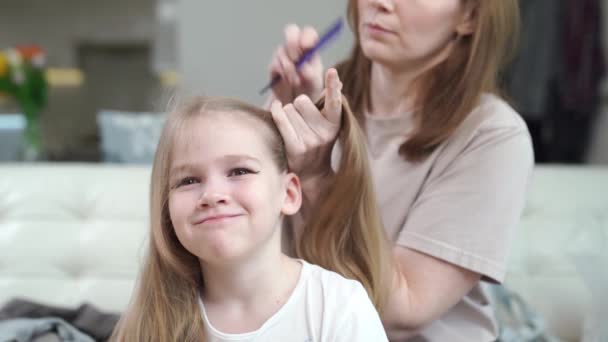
(345, 235)
(449, 91)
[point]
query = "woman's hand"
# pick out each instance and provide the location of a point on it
(310, 133)
(308, 80)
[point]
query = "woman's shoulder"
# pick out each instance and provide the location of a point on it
(492, 112)
(492, 125)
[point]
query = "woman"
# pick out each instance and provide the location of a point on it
(450, 159)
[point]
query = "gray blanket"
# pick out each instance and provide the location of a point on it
(86, 318)
(29, 329)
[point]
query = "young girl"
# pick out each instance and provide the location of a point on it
(215, 271)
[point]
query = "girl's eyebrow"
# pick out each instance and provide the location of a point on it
(240, 157)
(187, 167)
(181, 168)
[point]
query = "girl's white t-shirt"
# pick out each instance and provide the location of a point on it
(324, 306)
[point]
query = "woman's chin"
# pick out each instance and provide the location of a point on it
(378, 53)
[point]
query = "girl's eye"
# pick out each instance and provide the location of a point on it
(240, 171)
(187, 181)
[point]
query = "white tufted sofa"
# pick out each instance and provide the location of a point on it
(72, 232)
(75, 232)
(559, 263)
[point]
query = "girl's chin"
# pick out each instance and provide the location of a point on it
(222, 255)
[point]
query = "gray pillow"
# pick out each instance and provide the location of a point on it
(129, 137)
(11, 137)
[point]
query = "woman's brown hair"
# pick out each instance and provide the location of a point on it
(449, 91)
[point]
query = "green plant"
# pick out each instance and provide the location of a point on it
(22, 78)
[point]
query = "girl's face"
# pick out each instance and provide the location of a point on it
(408, 32)
(227, 195)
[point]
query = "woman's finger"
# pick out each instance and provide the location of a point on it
(292, 42)
(288, 67)
(308, 38)
(332, 108)
(305, 134)
(311, 115)
(311, 75)
(290, 137)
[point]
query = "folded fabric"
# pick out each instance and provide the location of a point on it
(48, 337)
(86, 318)
(517, 321)
(27, 329)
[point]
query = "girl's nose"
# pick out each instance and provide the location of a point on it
(213, 195)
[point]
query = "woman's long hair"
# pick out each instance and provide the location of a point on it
(345, 236)
(450, 90)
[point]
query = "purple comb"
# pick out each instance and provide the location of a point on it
(325, 38)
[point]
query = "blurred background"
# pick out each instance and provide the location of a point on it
(83, 89)
(126, 57)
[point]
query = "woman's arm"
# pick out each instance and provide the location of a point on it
(460, 227)
(424, 288)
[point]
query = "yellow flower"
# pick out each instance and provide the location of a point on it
(3, 64)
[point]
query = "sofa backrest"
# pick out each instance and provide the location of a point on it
(71, 233)
(559, 258)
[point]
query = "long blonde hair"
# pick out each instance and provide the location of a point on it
(346, 236)
(449, 91)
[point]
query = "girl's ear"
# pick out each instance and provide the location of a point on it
(293, 195)
(468, 22)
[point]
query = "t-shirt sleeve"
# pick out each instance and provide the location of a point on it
(468, 209)
(359, 320)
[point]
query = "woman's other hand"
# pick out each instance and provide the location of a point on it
(308, 80)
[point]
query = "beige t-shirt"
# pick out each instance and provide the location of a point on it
(460, 205)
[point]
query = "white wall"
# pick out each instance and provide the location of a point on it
(224, 47)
